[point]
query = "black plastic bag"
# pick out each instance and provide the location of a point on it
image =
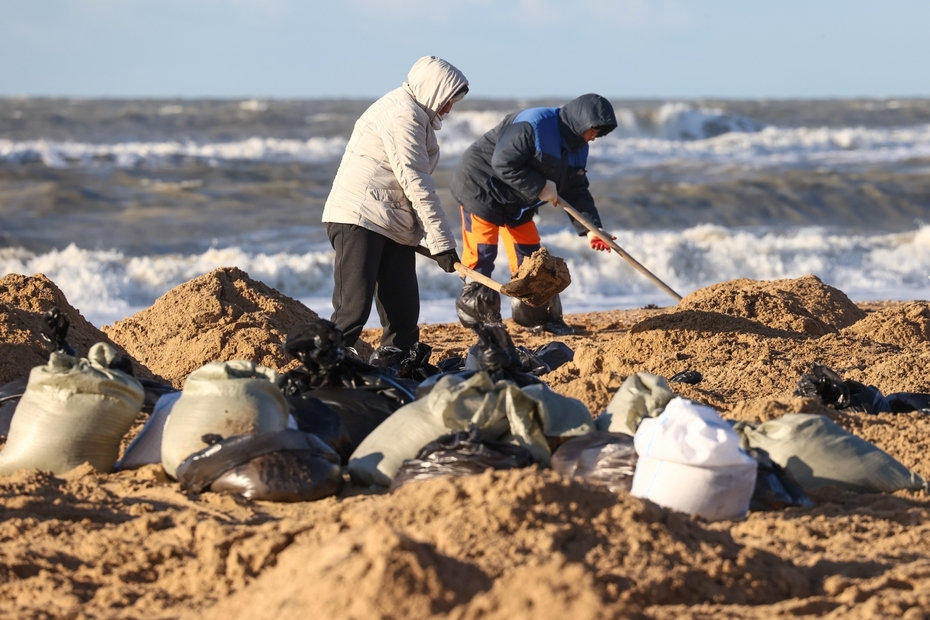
(153, 391)
(9, 398)
(324, 363)
(360, 410)
(825, 384)
(776, 488)
(554, 354)
(316, 417)
(412, 364)
(478, 303)
(539, 362)
(495, 354)
(287, 465)
(55, 326)
(288, 476)
(599, 458)
(451, 364)
(691, 377)
(461, 453)
(905, 402)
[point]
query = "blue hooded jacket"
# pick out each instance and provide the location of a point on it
(500, 176)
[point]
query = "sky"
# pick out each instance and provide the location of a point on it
(506, 48)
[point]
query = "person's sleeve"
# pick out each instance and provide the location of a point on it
(405, 145)
(579, 196)
(510, 162)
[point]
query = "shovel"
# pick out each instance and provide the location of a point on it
(616, 248)
(532, 290)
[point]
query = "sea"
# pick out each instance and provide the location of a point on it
(119, 201)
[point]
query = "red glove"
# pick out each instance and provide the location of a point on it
(597, 243)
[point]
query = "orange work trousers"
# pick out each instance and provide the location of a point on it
(480, 239)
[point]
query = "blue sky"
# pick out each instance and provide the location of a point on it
(507, 48)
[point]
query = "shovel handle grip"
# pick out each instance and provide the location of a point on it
(616, 248)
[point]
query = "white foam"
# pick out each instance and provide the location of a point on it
(107, 285)
(153, 154)
(770, 147)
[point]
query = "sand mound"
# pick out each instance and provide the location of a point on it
(907, 325)
(23, 301)
(756, 343)
(223, 315)
(542, 540)
(805, 305)
(363, 573)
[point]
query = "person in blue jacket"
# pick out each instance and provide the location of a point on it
(532, 157)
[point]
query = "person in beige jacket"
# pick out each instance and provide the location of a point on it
(383, 203)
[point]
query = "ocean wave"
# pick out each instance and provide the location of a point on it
(155, 154)
(768, 147)
(108, 285)
(729, 141)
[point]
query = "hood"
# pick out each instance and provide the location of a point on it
(581, 114)
(432, 81)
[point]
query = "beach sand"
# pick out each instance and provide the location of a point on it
(514, 544)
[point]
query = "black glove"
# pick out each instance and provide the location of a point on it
(447, 260)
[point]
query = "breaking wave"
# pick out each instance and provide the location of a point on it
(107, 286)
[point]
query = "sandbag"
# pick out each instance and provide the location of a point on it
(283, 466)
(222, 398)
(530, 414)
(74, 410)
(461, 453)
(818, 452)
(145, 449)
(641, 395)
(599, 458)
(690, 460)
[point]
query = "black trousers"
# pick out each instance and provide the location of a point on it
(371, 266)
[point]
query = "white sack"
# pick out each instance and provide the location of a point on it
(690, 460)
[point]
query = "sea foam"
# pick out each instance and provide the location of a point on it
(108, 285)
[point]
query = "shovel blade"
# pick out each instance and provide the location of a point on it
(540, 278)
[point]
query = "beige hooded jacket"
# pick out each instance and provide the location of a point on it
(385, 182)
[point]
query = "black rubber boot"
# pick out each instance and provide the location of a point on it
(547, 318)
(478, 304)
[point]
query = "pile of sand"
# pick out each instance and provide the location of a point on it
(23, 301)
(751, 340)
(804, 305)
(223, 315)
(905, 326)
(511, 544)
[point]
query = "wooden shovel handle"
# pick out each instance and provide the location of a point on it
(466, 271)
(616, 248)
(480, 277)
